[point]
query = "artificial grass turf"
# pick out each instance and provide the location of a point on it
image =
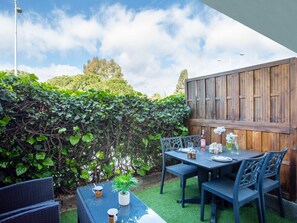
(166, 206)
(69, 216)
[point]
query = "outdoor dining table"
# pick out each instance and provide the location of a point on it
(208, 168)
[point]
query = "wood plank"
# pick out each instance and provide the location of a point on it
(276, 94)
(258, 93)
(210, 98)
(224, 96)
(242, 96)
(293, 91)
(257, 141)
(207, 132)
(201, 96)
(220, 97)
(229, 95)
(293, 165)
(235, 96)
(265, 73)
(249, 140)
(286, 94)
(274, 141)
(265, 127)
(249, 96)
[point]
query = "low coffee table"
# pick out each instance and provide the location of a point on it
(93, 209)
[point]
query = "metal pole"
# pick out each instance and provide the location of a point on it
(15, 37)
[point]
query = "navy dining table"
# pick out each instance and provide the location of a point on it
(209, 169)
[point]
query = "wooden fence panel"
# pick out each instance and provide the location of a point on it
(256, 103)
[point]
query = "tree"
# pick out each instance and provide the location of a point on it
(98, 74)
(104, 69)
(180, 86)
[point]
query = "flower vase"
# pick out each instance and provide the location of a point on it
(234, 148)
(228, 146)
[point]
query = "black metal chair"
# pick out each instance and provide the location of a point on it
(195, 139)
(25, 196)
(183, 171)
(239, 192)
(49, 213)
(269, 179)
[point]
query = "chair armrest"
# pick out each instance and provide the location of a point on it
(27, 208)
(46, 214)
(27, 193)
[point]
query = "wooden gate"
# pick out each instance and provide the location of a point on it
(258, 103)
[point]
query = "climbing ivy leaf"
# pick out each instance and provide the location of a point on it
(48, 162)
(20, 169)
(87, 137)
(74, 140)
(40, 156)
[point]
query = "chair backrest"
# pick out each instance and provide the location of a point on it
(172, 143)
(272, 164)
(248, 173)
(26, 193)
(195, 139)
(169, 144)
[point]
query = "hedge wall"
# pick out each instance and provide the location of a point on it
(80, 137)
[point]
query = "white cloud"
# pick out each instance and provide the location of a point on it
(46, 73)
(151, 46)
(39, 36)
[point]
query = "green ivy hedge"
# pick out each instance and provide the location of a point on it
(80, 137)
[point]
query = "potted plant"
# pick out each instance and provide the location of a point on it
(122, 184)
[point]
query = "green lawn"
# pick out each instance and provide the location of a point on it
(165, 205)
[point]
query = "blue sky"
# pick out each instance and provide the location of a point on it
(151, 40)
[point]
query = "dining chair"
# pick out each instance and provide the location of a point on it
(269, 179)
(195, 139)
(182, 170)
(240, 191)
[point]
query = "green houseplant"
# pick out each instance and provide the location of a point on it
(122, 184)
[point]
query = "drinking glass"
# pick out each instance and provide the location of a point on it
(190, 145)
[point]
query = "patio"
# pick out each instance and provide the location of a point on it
(239, 102)
(41, 135)
(171, 211)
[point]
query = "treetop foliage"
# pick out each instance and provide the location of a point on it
(104, 69)
(98, 74)
(180, 86)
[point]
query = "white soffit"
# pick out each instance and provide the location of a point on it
(276, 19)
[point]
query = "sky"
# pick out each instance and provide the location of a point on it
(152, 40)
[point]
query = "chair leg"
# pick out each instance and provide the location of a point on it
(259, 209)
(181, 183)
(262, 202)
(162, 181)
(280, 201)
(183, 192)
(236, 213)
(202, 205)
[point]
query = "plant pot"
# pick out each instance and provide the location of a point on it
(124, 199)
